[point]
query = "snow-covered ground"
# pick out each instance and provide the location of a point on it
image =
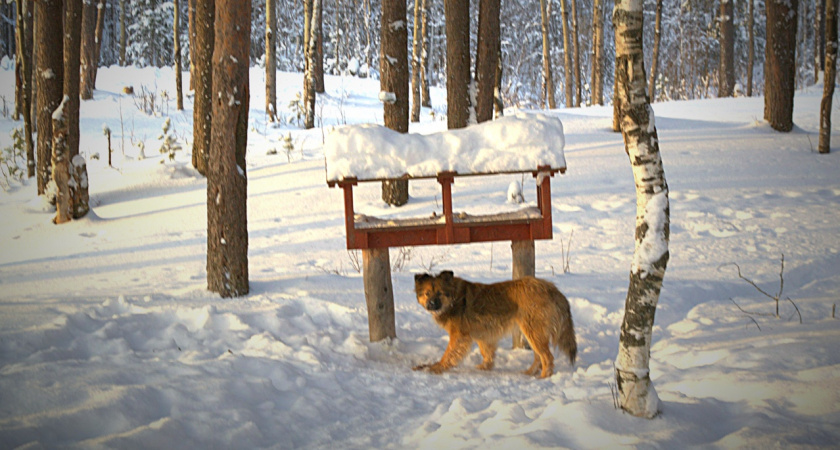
(109, 338)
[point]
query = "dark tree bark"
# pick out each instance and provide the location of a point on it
(548, 80)
(49, 79)
(100, 27)
(830, 75)
(632, 367)
(457, 62)
(72, 55)
(393, 82)
(751, 47)
(499, 109)
(202, 57)
(270, 60)
(576, 47)
(227, 182)
(726, 74)
(654, 60)
(425, 97)
(780, 63)
(23, 61)
(416, 48)
(319, 46)
(597, 53)
(88, 50)
(123, 34)
(176, 48)
(487, 59)
(61, 167)
(820, 22)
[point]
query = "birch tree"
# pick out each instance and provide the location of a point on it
(654, 59)
(830, 74)
(227, 181)
(632, 367)
(597, 82)
(726, 74)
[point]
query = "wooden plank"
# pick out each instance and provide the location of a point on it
(524, 262)
(379, 293)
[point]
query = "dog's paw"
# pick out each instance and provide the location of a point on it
(421, 367)
(484, 366)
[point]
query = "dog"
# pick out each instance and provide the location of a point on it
(486, 312)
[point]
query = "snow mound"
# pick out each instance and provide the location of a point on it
(511, 144)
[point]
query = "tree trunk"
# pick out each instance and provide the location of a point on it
(726, 75)
(72, 55)
(393, 80)
(820, 22)
(23, 60)
(457, 14)
(486, 61)
(319, 46)
(49, 79)
(567, 55)
(123, 34)
(100, 26)
(780, 63)
(751, 47)
(61, 166)
(88, 50)
(415, 64)
(636, 393)
(227, 182)
(597, 53)
(576, 47)
(176, 48)
(309, 76)
(654, 60)
(425, 97)
(548, 81)
(202, 55)
(830, 74)
(270, 60)
(191, 41)
(497, 87)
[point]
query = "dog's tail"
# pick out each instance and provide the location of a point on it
(563, 331)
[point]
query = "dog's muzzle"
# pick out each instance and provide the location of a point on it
(433, 304)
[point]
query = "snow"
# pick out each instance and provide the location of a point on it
(520, 142)
(109, 338)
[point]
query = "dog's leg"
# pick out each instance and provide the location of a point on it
(535, 367)
(459, 345)
(488, 353)
(539, 341)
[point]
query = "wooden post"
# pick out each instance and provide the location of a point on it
(523, 266)
(379, 293)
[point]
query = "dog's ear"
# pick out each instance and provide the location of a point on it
(420, 277)
(446, 275)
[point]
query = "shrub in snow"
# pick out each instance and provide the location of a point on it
(9, 159)
(169, 144)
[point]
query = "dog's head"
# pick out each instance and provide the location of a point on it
(435, 293)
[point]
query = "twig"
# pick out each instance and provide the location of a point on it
(795, 307)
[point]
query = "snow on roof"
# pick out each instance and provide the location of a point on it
(510, 144)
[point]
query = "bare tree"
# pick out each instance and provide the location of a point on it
(654, 59)
(310, 52)
(23, 62)
(202, 56)
(425, 97)
(227, 181)
(726, 74)
(270, 60)
(597, 52)
(830, 75)
(780, 63)
(393, 83)
(548, 82)
(632, 367)
(49, 79)
(72, 62)
(416, 48)
(575, 44)
(319, 46)
(176, 49)
(123, 34)
(751, 45)
(88, 50)
(487, 58)
(457, 62)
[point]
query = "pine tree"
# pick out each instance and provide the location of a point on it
(203, 85)
(457, 62)
(393, 82)
(49, 76)
(780, 63)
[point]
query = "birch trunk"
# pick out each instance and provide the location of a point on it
(575, 45)
(567, 55)
(636, 393)
(830, 74)
(654, 60)
(726, 74)
(597, 53)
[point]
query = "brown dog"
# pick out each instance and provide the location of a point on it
(487, 312)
